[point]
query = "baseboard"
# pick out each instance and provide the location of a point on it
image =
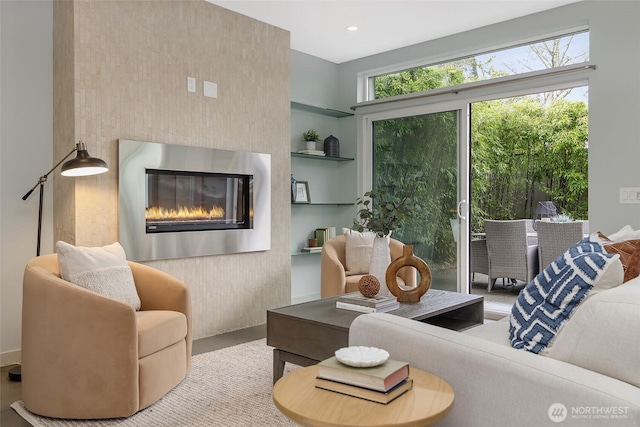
(10, 357)
(304, 298)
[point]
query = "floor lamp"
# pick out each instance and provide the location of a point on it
(82, 165)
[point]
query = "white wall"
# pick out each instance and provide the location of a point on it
(614, 89)
(314, 82)
(614, 112)
(26, 132)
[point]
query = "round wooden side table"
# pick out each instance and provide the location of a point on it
(296, 396)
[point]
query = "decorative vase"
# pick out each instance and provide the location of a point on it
(311, 145)
(332, 146)
(380, 260)
(410, 260)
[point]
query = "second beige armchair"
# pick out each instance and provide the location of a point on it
(333, 279)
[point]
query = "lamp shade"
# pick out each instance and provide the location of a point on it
(84, 164)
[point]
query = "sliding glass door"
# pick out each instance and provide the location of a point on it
(436, 143)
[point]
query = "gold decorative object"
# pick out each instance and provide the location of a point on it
(369, 285)
(408, 260)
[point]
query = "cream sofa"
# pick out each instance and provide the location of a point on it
(590, 376)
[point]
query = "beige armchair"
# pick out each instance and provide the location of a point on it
(334, 281)
(86, 356)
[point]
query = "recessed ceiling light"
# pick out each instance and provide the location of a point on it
(352, 28)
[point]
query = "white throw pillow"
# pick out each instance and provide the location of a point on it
(602, 335)
(357, 251)
(103, 270)
(625, 233)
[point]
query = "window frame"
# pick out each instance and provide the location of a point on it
(366, 79)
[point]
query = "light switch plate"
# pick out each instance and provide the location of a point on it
(191, 84)
(210, 89)
(630, 195)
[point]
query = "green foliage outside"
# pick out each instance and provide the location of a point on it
(427, 143)
(523, 150)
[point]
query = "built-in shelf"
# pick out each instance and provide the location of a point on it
(332, 194)
(320, 110)
(311, 156)
(305, 253)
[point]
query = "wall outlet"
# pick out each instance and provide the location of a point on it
(191, 84)
(630, 195)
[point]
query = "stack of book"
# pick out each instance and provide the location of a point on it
(312, 152)
(324, 233)
(355, 301)
(382, 383)
(312, 249)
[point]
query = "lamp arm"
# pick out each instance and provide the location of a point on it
(43, 178)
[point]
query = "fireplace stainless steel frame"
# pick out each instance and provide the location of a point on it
(135, 157)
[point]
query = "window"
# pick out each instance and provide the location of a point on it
(547, 54)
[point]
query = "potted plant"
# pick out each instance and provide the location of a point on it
(384, 211)
(381, 212)
(311, 137)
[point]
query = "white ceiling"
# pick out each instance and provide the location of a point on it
(318, 27)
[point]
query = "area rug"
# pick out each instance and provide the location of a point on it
(228, 387)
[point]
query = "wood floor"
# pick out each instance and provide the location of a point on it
(11, 391)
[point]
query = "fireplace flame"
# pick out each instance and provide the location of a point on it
(183, 213)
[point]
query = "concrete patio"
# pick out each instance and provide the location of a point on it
(499, 301)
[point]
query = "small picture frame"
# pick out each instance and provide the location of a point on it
(302, 192)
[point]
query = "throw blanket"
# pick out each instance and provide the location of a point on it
(549, 300)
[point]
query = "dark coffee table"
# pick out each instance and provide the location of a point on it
(307, 333)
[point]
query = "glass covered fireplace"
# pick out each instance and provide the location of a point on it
(196, 201)
(178, 201)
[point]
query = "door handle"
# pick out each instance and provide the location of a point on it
(462, 209)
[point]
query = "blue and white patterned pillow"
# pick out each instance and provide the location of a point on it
(549, 300)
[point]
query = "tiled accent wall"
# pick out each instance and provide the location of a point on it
(64, 133)
(121, 72)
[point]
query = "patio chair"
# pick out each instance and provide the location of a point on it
(585, 226)
(532, 235)
(510, 255)
(478, 258)
(554, 238)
